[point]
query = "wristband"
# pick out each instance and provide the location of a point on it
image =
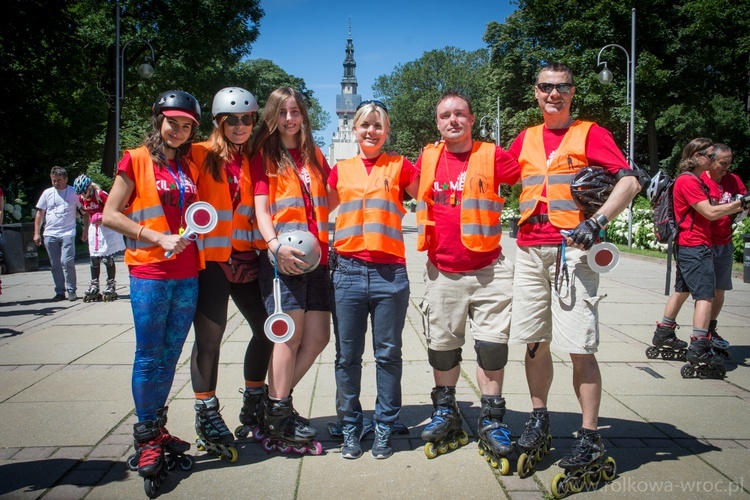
(138, 236)
(269, 241)
(601, 220)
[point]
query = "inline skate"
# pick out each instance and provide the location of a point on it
(666, 344)
(148, 459)
(535, 442)
(213, 434)
(444, 431)
(585, 466)
(174, 447)
(92, 294)
(494, 436)
(251, 414)
(703, 361)
(719, 345)
(110, 292)
(285, 431)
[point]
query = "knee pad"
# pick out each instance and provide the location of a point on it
(95, 262)
(491, 355)
(444, 360)
(108, 261)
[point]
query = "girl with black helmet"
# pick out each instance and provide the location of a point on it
(231, 267)
(103, 242)
(154, 186)
(289, 174)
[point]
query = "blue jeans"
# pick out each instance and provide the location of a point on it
(163, 311)
(382, 292)
(62, 258)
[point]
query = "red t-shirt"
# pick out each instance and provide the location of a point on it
(695, 230)
(408, 175)
(233, 169)
(95, 204)
(601, 151)
(448, 253)
(722, 192)
(168, 182)
(261, 187)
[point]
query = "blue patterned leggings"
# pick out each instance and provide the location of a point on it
(163, 311)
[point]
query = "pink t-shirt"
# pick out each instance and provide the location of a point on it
(408, 174)
(722, 192)
(448, 253)
(261, 186)
(695, 230)
(601, 151)
(168, 184)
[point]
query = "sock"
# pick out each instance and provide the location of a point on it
(669, 322)
(699, 333)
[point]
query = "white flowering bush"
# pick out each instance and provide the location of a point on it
(16, 210)
(643, 230)
(510, 213)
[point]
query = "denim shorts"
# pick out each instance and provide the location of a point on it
(306, 292)
(695, 272)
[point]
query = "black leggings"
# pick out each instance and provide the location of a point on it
(210, 322)
(109, 263)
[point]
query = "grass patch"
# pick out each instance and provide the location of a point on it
(736, 266)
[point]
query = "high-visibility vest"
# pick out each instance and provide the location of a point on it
(481, 206)
(569, 157)
(146, 209)
(370, 208)
(232, 229)
(287, 204)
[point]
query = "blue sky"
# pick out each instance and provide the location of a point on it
(307, 38)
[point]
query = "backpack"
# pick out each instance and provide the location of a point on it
(661, 193)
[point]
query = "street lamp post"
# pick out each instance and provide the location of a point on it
(145, 70)
(494, 124)
(605, 76)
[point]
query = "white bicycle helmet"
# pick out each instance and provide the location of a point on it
(305, 241)
(233, 100)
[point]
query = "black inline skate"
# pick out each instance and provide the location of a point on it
(286, 431)
(585, 466)
(92, 294)
(666, 344)
(110, 292)
(174, 448)
(719, 345)
(251, 414)
(444, 431)
(213, 434)
(494, 443)
(148, 459)
(703, 360)
(535, 442)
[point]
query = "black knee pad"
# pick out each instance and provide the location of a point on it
(95, 262)
(491, 355)
(444, 360)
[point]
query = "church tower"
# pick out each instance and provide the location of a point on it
(344, 145)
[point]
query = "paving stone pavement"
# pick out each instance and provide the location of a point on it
(67, 412)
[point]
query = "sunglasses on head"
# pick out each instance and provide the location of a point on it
(375, 102)
(547, 88)
(234, 120)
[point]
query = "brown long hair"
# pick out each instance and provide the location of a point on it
(266, 139)
(687, 161)
(155, 142)
(221, 151)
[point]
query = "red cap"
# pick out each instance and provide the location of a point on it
(179, 112)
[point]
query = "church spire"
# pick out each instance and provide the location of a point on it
(349, 82)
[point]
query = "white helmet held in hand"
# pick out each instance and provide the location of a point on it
(302, 240)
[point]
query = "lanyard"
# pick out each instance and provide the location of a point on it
(179, 179)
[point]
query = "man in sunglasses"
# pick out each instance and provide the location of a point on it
(554, 290)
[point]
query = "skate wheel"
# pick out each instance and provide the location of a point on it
(186, 462)
(230, 454)
(315, 448)
(258, 434)
(577, 481)
(284, 448)
(463, 439)
(609, 469)
(480, 449)
(652, 352)
(430, 451)
(593, 477)
(547, 446)
(133, 462)
(268, 445)
(453, 444)
(150, 487)
(558, 486)
(442, 448)
(668, 355)
(504, 466)
(241, 432)
(687, 371)
(522, 467)
(199, 444)
(170, 463)
(493, 463)
(299, 450)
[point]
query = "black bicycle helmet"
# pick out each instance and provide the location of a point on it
(178, 103)
(591, 187)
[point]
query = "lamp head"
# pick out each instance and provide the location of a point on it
(145, 70)
(605, 76)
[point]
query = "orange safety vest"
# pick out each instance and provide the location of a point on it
(569, 157)
(481, 206)
(232, 229)
(370, 209)
(147, 211)
(287, 204)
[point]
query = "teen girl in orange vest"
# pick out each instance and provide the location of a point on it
(154, 186)
(289, 175)
(231, 264)
(369, 277)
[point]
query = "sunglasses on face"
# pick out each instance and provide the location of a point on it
(375, 102)
(234, 120)
(547, 88)
(710, 156)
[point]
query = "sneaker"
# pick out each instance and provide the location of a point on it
(352, 437)
(72, 296)
(58, 297)
(381, 448)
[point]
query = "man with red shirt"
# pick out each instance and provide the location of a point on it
(554, 290)
(467, 275)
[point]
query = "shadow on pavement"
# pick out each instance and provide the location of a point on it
(38, 475)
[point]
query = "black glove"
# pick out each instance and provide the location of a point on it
(745, 201)
(585, 233)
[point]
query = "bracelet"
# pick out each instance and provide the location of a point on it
(138, 236)
(269, 241)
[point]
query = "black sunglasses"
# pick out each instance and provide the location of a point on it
(375, 102)
(234, 120)
(547, 88)
(710, 156)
